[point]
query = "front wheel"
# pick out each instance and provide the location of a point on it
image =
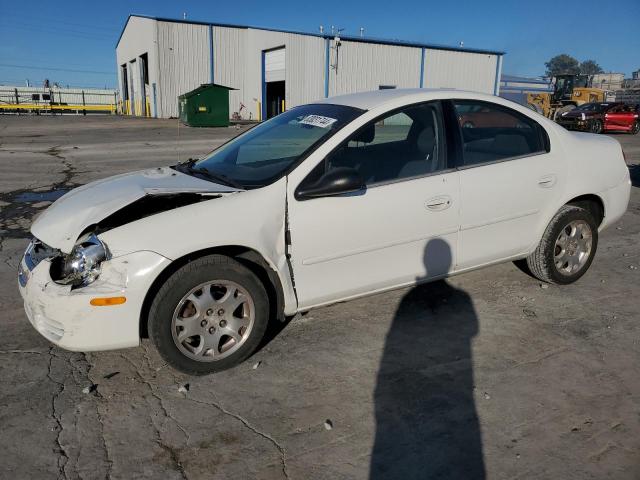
(596, 126)
(567, 247)
(635, 128)
(210, 315)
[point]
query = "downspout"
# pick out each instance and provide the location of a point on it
(263, 112)
(157, 110)
(326, 67)
(211, 53)
(422, 68)
(496, 85)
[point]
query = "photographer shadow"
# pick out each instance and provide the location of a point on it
(426, 421)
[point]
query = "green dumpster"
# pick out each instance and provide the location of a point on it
(206, 106)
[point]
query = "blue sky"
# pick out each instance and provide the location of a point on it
(73, 42)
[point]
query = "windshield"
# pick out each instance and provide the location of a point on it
(593, 107)
(266, 152)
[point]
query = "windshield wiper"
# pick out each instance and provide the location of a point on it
(218, 177)
(188, 166)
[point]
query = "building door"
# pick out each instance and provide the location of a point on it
(274, 82)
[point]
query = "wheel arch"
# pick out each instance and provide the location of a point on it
(591, 202)
(248, 257)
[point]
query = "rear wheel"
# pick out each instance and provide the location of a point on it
(635, 128)
(567, 247)
(210, 315)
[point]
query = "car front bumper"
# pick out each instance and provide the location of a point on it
(65, 316)
(582, 125)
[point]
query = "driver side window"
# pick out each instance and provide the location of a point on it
(402, 144)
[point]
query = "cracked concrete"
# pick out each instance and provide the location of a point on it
(415, 373)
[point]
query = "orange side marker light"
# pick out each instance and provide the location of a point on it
(107, 301)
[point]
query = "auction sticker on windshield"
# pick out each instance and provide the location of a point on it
(318, 121)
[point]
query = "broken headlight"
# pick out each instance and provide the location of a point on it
(82, 266)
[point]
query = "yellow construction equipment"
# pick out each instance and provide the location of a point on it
(570, 91)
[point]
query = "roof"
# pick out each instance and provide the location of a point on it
(381, 41)
(376, 98)
(205, 86)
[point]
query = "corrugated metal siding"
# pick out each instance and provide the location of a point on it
(363, 66)
(304, 74)
(463, 70)
(229, 46)
(183, 62)
(182, 57)
(305, 69)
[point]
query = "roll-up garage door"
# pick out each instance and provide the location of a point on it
(274, 65)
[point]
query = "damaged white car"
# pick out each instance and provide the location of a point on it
(329, 201)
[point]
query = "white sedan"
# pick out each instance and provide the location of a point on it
(326, 202)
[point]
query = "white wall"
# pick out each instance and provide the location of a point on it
(139, 37)
(462, 70)
(366, 66)
(183, 61)
(229, 46)
(179, 61)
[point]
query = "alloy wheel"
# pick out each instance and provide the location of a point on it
(573, 247)
(213, 320)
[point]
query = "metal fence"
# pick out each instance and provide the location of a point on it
(56, 100)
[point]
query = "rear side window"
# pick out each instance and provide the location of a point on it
(492, 132)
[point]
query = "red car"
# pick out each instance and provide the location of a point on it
(602, 117)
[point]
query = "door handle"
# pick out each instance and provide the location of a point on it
(547, 181)
(441, 202)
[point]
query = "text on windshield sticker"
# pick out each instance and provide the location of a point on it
(318, 121)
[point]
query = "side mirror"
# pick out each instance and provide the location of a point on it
(335, 182)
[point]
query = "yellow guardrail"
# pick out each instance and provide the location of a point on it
(35, 106)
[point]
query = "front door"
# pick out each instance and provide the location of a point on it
(401, 229)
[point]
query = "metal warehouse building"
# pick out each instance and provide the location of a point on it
(160, 59)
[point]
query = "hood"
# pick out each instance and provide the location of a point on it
(61, 224)
(578, 114)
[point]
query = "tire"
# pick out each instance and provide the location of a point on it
(596, 126)
(635, 128)
(543, 262)
(221, 339)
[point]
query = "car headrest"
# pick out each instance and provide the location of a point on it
(366, 135)
(426, 141)
(510, 145)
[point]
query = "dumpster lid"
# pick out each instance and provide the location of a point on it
(203, 87)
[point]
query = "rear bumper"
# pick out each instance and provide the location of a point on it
(66, 318)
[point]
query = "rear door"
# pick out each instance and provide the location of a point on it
(510, 179)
